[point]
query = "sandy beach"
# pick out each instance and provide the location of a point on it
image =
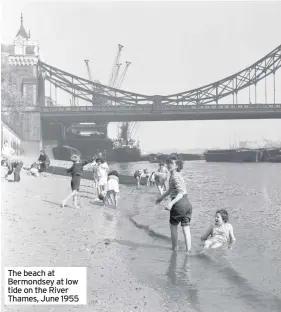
(36, 231)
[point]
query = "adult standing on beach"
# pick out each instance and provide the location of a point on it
(179, 206)
(44, 161)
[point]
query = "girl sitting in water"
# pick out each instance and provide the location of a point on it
(220, 233)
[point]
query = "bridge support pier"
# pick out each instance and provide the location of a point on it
(157, 102)
(63, 131)
(31, 134)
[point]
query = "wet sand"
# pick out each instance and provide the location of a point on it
(36, 231)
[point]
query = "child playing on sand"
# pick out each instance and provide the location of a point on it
(220, 233)
(34, 169)
(112, 188)
(101, 176)
(15, 166)
(76, 173)
(94, 166)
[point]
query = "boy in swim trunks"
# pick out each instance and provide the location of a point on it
(219, 233)
(76, 171)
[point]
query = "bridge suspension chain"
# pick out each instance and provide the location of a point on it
(207, 94)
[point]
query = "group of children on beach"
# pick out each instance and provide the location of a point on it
(107, 184)
(15, 165)
(180, 208)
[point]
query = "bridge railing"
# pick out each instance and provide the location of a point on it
(162, 107)
(147, 107)
(222, 106)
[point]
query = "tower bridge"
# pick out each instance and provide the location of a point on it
(28, 109)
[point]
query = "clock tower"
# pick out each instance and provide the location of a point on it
(20, 59)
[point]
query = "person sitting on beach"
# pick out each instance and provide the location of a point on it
(15, 166)
(101, 175)
(112, 188)
(142, 174)
(179, 206)
(34, 169)
(44, 161)
(76, 171)
(219, 233)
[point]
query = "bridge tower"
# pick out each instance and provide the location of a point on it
(20, 59)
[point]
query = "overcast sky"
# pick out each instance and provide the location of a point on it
(173, 47)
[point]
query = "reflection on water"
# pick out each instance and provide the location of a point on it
(181, 275)
(247, 278)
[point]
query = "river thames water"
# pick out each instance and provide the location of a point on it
(246, 278)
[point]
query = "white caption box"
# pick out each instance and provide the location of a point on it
(45, 285)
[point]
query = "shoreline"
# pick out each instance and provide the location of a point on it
(58, 167)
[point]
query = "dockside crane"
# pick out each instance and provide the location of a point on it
(95, 99)
(132, 127)
(115, 76)
(121, 79)
(116, 66)
(88, 70)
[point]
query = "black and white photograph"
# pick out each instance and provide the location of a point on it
(140, 156)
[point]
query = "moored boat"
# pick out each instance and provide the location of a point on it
(233, 155)
(270, 154)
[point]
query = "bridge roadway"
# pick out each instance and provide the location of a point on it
(109, 113)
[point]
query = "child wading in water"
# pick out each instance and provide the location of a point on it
(112, 188)
(220, 233)
(179, 206)
(140, 174)
(76, 172)
(160, 178)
